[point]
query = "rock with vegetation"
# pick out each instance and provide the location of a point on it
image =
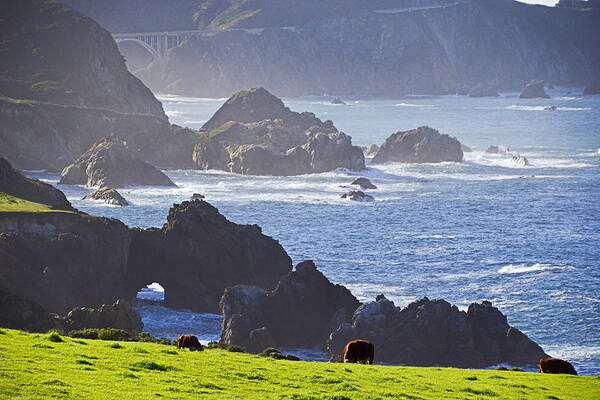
(436, 333)
(592, 88)
(118, 315)
(14, 186)
(109, 162)
(300, 312)
(108, 195)
(484, 90)
(421, 145)
(534, 90)
(24, 314)
(254, 133)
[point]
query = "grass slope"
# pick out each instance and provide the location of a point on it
(9, 203)
(35, 366)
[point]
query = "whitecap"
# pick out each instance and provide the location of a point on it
(524, 268)
(436, 236)
(412, 105)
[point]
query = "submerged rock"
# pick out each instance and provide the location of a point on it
(337, 100)
(300, 312)
(550, 108)
(436, 333)
(421, 145)
(357, 195)
(254, 133)
(119, 315)
(364, 183)
(108, 195)
(534, 90)
(110, 163)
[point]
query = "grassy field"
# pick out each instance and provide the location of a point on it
(10, 203)
(35, 366)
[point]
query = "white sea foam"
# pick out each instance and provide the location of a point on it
(172, 98)
(173, 113)
(543, 108)
(524, 268)
(436, 236)
(413, 105)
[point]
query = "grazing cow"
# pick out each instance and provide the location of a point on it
(359, 351)
(189, 341)
(556, 366)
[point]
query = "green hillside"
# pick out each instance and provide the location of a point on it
(48, 366)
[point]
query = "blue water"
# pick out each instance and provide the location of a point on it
(526, 239)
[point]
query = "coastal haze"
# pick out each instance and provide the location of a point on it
(443, 155)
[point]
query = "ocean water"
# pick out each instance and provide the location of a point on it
(525, 238)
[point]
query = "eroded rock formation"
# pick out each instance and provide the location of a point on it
(534, 90)
(436, 333)
(254, 133)
(300, 312)
(421, 145)
(119, 315)
(109, 162)
(108, 195)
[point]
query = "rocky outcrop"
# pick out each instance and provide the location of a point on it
(436, 333)
(357, 195)
(520, 160)
(15, 184)
(24, 314)
(465, 148)
(364, 183)
(370, 151)
(110, 163)
(492, 149)
(484, 90)
(119, 315)
(592, 88)
(254, 133)
(198, 253)
(299, 312)
(339, 101)
(534, 90)
(108, 195)
(421, 145)
(49, 136)
(379, 48)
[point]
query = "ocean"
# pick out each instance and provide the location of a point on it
(525, 238)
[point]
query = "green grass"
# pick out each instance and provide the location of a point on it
(33, 367)
(10, 203)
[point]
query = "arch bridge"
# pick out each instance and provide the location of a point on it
(156, 43)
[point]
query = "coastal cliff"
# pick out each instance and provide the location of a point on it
(351, 47)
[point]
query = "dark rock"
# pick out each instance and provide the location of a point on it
(421, 145)
(484, 90)
(23, 314)
(110, 163)
(550, 108)
(337, 100)
(364, 183)
(370, 151)
(534, 90)
(300, 312)
(493, 150)
(254, 133)
(108, 195)
(465, 148)
(66, 260)
(357, 195)
(198, 253)
(592, 88)
(119, 315)
(15, 184)
(435, 333)
(197, 196)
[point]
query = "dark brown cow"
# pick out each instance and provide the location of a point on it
(556, 366)
(189, 341)
(359, 351)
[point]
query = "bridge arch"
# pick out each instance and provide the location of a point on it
(155, 54)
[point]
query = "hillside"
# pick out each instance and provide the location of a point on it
(48, 366)
(352, 47)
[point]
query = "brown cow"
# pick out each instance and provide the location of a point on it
(189, 341)
(359, 351)
(556, 366)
